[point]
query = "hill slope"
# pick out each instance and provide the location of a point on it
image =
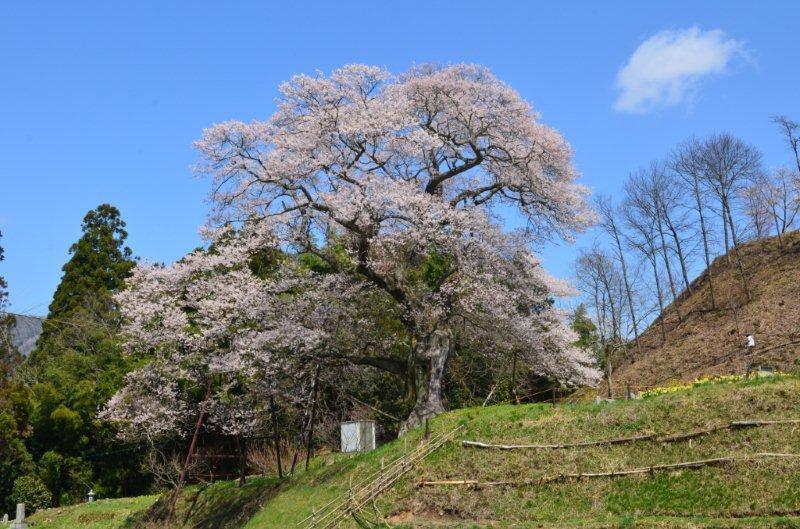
(762, 493)
(711, 342)
(25, 332)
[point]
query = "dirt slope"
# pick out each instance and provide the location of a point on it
(712, 341)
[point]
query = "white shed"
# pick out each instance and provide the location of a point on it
(358, 436)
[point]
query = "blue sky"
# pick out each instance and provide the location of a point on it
(101, 101)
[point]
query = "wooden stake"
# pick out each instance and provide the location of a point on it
(489, 396)
(276, 440)
(242, 460)
(310, 443)
(201, 416)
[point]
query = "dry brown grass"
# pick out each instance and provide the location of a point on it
(711, 342)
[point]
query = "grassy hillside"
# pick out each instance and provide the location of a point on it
(221, 505)
(709, 342)
(765, 493)
(102, 514)
(739, 495)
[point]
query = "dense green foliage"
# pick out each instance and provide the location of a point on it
(49, 431)
(583, 325)
(15, 460)
(98, 265)
(31, 491)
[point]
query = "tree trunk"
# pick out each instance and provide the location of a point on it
(615, 324)
(706, 251)
(628, 293)
(681, 256)
(608, 373)
(725, 232)
(240, 447)
(310, 442)
(276, 440)
(659, 295)
(670, 279)
(436, 349)
(778, 229)
(739, 261)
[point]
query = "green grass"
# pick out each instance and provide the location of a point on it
(738, 495)
(222, 505)
(625, 522)
(763, 489)
(761, 494)
(102, 514)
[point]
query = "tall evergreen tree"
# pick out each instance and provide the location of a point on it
(78, 364)
(99, 264)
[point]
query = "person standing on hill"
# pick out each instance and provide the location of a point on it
(751, 344)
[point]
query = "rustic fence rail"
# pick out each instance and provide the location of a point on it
(609, 474)
(669, 438)
(369, 488)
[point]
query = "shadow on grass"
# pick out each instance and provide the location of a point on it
(221, 505)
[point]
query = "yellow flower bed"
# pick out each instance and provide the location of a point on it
(704, 380)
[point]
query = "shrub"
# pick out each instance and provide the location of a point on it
(32, 492)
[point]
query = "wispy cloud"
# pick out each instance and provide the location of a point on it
(667, 68)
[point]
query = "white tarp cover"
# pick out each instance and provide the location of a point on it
(358, 436)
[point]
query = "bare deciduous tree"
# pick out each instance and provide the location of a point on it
(756, 208)
(686, 162)
(645, 192)
(601, 281)
(673, 215)
(791, 133)
(775, 195)
(644, 238)
(609, 222)
(729, 165)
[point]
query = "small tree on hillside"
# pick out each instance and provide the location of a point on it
(790, 130)
(586, 329)
(755, 205)
(779, 194)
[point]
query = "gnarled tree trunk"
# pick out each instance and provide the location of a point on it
(436, 350)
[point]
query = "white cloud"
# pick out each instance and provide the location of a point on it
(666, 68)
